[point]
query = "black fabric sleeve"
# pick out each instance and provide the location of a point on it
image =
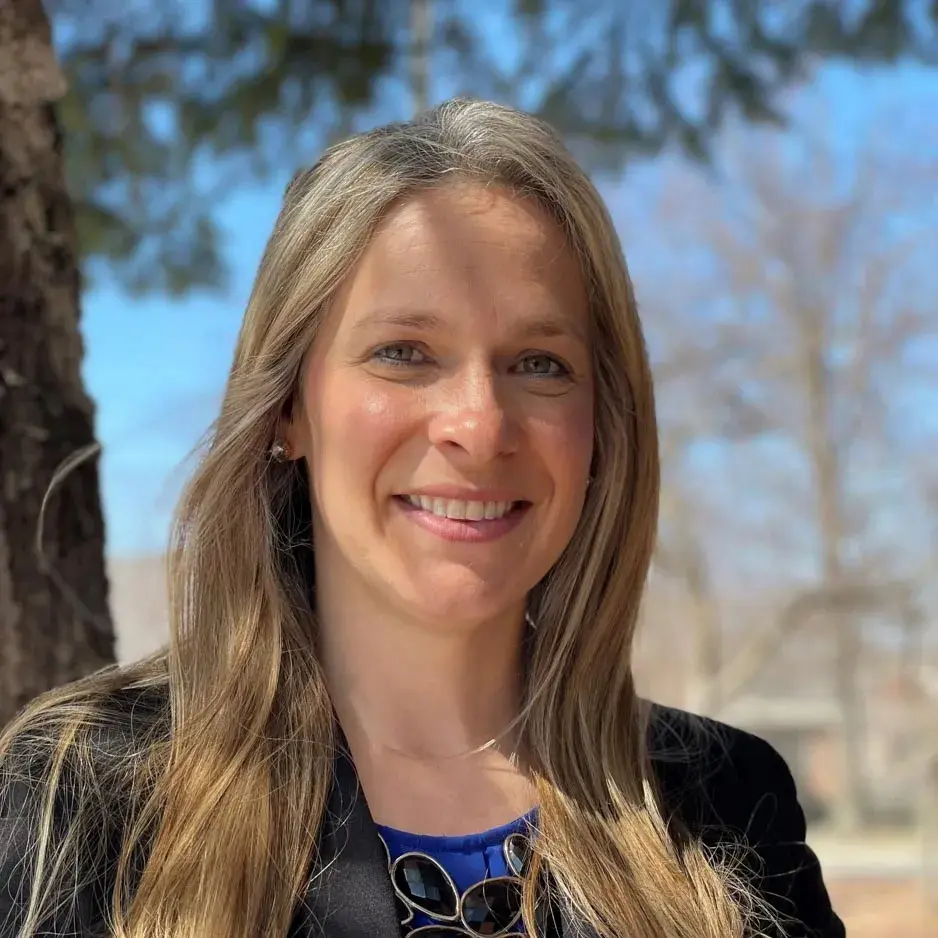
(81, 911)
(787, 872)
(734, 792)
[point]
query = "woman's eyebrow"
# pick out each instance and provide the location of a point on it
(536, 326)
(400, 316)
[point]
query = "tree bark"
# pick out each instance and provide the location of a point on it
(54, 620)
(829, 484)
(705, 691)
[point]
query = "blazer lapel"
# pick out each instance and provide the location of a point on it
(350, 893)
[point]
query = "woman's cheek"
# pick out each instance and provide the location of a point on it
(363, 427)
(566, 439)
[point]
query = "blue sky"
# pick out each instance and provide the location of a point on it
(155, 367)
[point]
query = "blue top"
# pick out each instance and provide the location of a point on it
(468, 858)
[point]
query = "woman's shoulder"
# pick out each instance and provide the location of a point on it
(128, 717)
(714, 774)
(690, 747)
(85, 729)
(70, 751)
(732, 789)
(71, 758)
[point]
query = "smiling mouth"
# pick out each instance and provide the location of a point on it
(455, 509)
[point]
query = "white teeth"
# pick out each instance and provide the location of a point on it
(459, 510)
(475, 511)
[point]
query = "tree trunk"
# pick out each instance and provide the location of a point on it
(421, 28)
(705, 692)
(54, 619)
(829, 485)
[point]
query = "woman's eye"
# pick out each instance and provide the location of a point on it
(400, 354)
(542, 365)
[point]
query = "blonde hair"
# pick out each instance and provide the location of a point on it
(216, 794)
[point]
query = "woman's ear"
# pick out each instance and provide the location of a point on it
(292, 432)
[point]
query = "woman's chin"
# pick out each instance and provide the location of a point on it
(465, 604)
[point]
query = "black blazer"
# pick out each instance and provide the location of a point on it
(732, 785)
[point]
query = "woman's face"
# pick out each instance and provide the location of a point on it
(447, 408)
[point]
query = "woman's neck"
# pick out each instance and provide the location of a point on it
(429, 713)
(423, 690)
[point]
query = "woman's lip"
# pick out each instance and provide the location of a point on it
(455, 493)
(451, 529)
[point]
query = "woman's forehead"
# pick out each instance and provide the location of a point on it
(474, 247)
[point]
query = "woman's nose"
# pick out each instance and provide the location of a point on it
(474, 420)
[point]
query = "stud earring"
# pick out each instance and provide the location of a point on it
(280, 451)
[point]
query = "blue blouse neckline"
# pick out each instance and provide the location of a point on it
(458, 843)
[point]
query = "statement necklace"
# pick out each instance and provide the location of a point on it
(488, 908)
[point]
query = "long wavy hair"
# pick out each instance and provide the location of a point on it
(215, 803)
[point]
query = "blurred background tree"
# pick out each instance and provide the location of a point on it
(820, 305)
(171, 105)
(54, 621)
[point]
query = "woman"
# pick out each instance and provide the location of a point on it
(398, 697)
